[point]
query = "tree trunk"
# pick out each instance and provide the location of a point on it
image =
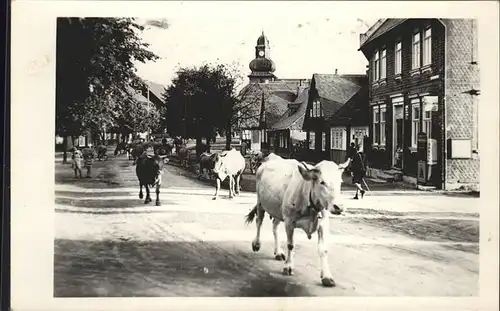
(65, 149)
(228, 139)
(207, 139)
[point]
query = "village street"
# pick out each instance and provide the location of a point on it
(109, 244)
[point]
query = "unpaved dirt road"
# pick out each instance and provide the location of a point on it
(109, 244)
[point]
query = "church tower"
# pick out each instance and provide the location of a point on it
(262, 66)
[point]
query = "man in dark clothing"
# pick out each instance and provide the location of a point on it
(351, 151)
(358, 169)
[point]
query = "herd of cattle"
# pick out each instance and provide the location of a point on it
(296, 193)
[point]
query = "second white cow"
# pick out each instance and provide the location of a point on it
(230, 164)
(302, 196)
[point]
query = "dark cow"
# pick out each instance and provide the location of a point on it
(163, 149)
(121, 148)
(207, 164)
(149, 170)
(101, 152)
(136, 151)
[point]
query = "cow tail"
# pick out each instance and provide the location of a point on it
(251, 216)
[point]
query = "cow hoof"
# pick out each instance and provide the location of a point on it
(280, 257)
(214, 198)
(158, 203)
(328, 282)
(141, 196)
(255, 246)
(147, 201)
(287, 271)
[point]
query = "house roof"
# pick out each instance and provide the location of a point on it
(291, 119)
(354, 112)
(156, 89)
(277, 96)
(335, 89)
(381, 27)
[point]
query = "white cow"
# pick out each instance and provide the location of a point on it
(302, 196)
(230, 164)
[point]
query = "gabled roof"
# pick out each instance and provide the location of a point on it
(293, 120)
(355, 111)
(156, 89)
(277, 96)
(335, 90)
(381, 27)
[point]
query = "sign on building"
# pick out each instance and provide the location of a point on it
(430, 103)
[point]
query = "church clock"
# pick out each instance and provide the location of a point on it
(261, 53)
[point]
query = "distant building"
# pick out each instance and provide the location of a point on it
(424, 78)
(266, 97)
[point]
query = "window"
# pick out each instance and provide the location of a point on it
(246, 134)
(383, 64)
(337, 139)
(376, 125)
(397, 58)
(415, 56)
(323, 141)
(312, 140)
(415, 122)
(427, 47)
(427, 120)
(376, 73)
(316, 109)
(382, 125)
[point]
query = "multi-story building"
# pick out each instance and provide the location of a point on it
(424, 82)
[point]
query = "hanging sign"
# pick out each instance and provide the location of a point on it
(430, 103)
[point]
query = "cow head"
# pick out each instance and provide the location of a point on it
(158, 163)
(326, 180)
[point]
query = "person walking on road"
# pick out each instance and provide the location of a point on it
(350, 155)
(358, 169)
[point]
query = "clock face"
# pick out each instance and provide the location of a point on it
(261, 53)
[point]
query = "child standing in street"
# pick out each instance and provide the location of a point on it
(358, 169)
(88, 156)
(76, 163)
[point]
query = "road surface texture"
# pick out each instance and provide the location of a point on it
(109, 244)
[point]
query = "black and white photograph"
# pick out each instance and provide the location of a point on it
(259, 149)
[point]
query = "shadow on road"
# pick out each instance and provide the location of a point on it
(156, 269)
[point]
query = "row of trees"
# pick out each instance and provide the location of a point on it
(96, 81)
(205, 100)
(96, 86)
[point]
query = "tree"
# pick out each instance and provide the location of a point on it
(94, 57)
(206, 100)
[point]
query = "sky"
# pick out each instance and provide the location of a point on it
(305, 38)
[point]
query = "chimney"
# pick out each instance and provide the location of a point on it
(336, 71)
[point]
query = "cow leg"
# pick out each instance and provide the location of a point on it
(323, 234)
(140, 192)
(238, 178)
(217, 187)
(258, 222)
(158, 194)
(231, 186)
(148, 196)
(289, 228)
(278, 252)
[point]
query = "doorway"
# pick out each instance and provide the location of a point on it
(397, 142)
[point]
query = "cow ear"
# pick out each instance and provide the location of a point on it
(308, 174)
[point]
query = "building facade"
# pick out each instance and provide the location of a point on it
(423, 87)
(327, 139)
